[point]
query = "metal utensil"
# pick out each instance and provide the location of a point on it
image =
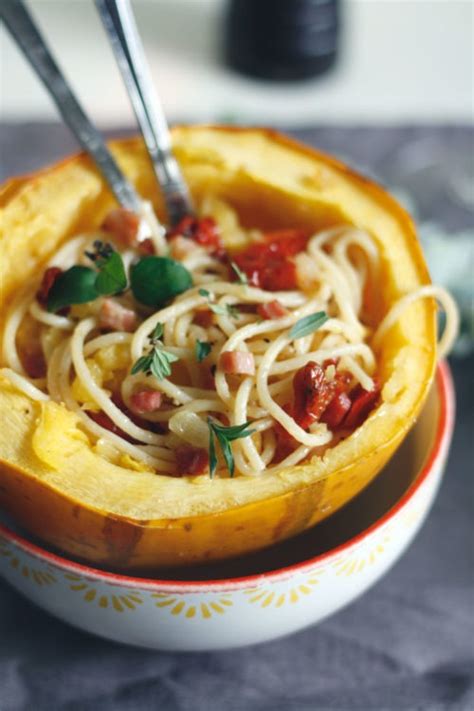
(119, 22)
(26, 34)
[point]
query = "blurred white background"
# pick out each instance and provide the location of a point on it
(400, 61)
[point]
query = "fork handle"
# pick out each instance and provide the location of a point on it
(26, 34)
(119, 22)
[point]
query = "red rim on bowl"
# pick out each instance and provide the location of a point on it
(442, 438)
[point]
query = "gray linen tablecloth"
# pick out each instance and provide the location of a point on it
(407, 644)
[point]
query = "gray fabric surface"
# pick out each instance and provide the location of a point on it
(407, 644)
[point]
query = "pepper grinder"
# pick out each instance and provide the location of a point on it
(282, 40)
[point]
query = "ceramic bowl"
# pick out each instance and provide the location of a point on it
(263, 596)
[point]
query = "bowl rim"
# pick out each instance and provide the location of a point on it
(442, 438)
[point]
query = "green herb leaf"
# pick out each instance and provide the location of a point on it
(111, 278)
(156, 280)
(202, 350)
(160, 363)
(212, 454)
(74, 286)
(308, 324)
(233, 432)
(142, 364)
(157, 361)
(225, 435)
(157, 332)
(227, 452)
(227, 310)
(241, 276)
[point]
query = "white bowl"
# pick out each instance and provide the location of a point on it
(278, 591)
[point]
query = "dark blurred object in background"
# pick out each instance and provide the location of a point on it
(282, 39)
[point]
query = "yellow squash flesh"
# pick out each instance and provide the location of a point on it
(51, 479)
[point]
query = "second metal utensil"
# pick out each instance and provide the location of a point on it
(120, 25)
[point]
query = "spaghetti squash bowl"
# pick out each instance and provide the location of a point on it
(55, 483)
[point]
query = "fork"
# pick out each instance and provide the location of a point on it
(119, 22)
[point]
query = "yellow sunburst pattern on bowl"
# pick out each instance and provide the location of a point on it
(204, 610)
(367, 556)
(39, 576)
(265, 596)
(118, 602)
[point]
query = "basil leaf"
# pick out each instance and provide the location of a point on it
(156, 280)
(308, 324)
(74, 286)
(202, 350)
(111, 278)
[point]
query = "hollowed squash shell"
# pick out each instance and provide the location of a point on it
(59, 489)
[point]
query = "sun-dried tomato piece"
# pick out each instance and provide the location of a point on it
(363, 401)
(312, 394)
(337, 409)
(203, 231)
(268, 264)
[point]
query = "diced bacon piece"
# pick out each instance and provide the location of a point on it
(272, 310)
(363, 401)
(123, 225)
(181, 247)
(146, 400)
(237, 362)
(116, 317)
(158, 427)
(203, 317)
(49, 277)
(146, 246)
(337, 409)
(191, 460)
